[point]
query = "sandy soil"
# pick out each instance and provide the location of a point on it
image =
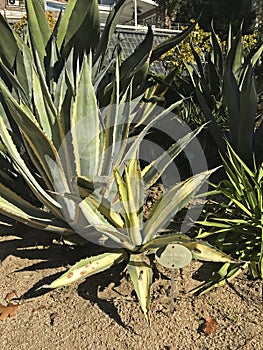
(103, 312)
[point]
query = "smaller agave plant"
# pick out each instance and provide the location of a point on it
(137, 241)
(226, 90)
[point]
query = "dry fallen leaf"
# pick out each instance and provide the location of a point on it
(10, 296)
(210, 326)
(7, 311)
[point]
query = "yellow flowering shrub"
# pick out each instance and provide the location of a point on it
(201, 41)
(19, 26)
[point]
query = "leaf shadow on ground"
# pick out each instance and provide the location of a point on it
(206, 271)
(93, 287)
(46, 247)
(46, 252)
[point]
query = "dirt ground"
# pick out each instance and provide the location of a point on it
(103, 312)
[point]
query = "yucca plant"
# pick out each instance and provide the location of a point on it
(226, 92)
(237, 225)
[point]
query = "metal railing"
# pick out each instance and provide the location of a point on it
(143, 29)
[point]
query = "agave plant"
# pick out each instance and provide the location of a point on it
(69, 161)
(226, 92)
(135, 240)
(237, 226)
(50, 83)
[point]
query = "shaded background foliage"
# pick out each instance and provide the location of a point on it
(221, 12)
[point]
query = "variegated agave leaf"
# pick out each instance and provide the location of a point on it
(131, 195)
(88, 267)
(141, 275)
(172, 201)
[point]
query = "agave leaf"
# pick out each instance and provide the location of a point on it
(16, 200)
(111, 23)
(78, 18)
(88, 267)
(256, 55)
(214, 78)
(231, 97)
(164, 84)
(213, 127)
(171, 202)
(47, 91)
(135, 188)
(125, 118)
(19, 212)
(39, 192)
(98, 74)
(164, 240)
(86, 124)
(200, 67)
(27, 63)
(101, 224)
(10, 52)
(17, 87)
(112, 126)
(68, 205)
(105, 207)
(247, 116)
(64, 24)
(235, 54)
(35, 138)
(141, 276)
(131, 198)
(170, 43)
(40, 105)
(153, 171)
(206, 252)
(87, 187)
(63, 97)
(216, 53)
(131, 153)
(191, 71)
(135, 61)
(39, 29)
(61, 90)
